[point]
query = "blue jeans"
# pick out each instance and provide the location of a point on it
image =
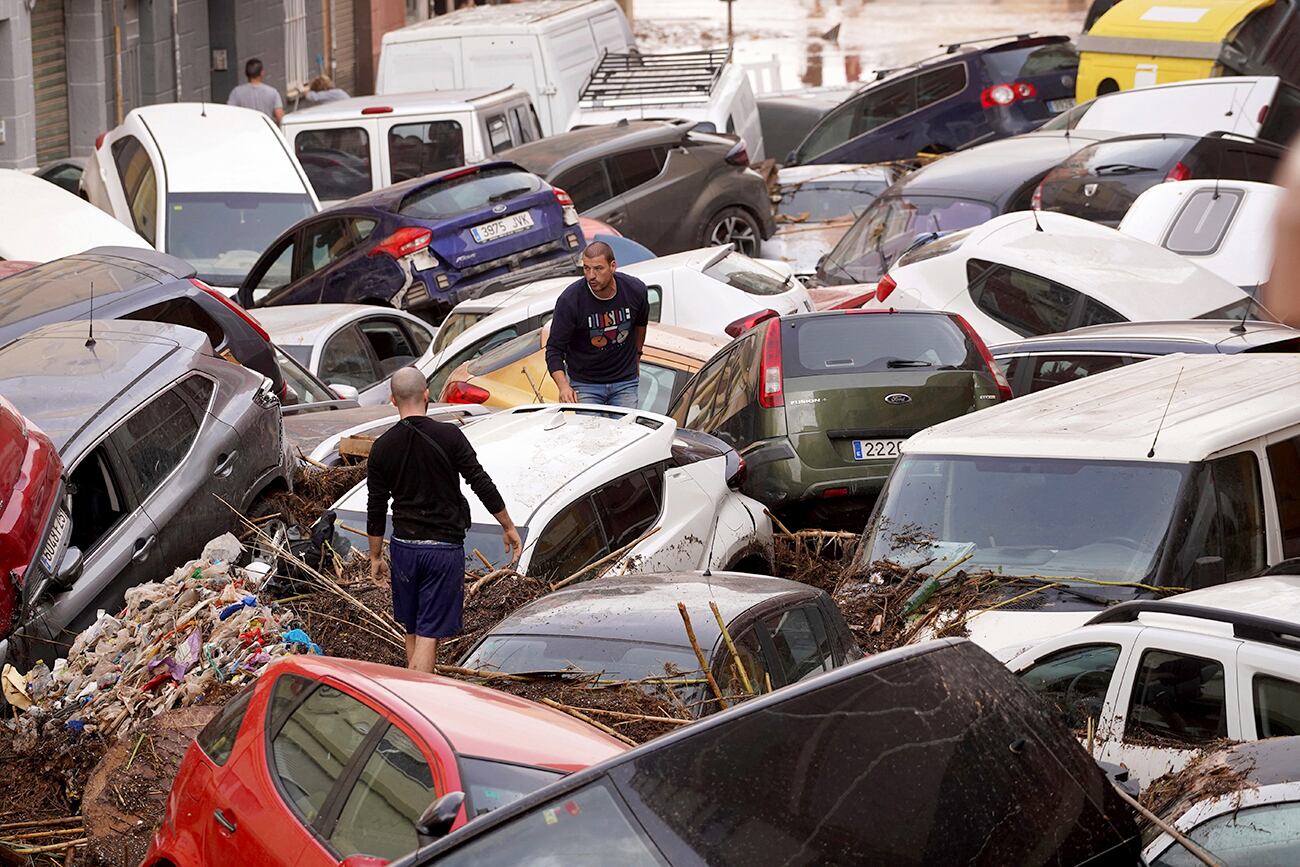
(623, 393)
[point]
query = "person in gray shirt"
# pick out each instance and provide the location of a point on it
(256, 95)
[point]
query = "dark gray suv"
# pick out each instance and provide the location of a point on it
(660, 183)
(154, 431)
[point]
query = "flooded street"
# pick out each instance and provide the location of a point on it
(801, 35)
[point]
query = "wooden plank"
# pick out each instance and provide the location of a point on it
(356, 446)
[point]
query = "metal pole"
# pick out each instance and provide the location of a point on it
(176, 46)
(730, 37)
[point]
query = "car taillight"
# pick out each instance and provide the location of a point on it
(235, 308)
(855, 302)
(377, 109)
(1180, 172)
(462, 392)
(566, 205)
(1004, 94)
(1036, 200)
(1262, 116)
(403, 242)
(1004, 387)
(744, 323)
(99, 139)
(835, 492)
(738, 155)
(771, 388)
(885, 287)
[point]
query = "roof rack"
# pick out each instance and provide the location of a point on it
(628, 78)
(953, 47)
(1251, 627)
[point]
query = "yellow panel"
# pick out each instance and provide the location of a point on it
(1182, 20)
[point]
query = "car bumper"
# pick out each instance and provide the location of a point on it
(777, 477)
(426, 296)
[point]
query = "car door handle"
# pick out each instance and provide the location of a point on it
(142, 548)
(223, 821)
(225, 464)
(614, 218)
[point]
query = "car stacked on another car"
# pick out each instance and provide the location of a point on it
(424, 244)
(31, 207)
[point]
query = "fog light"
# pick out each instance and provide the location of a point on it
(572, 240)
(442, 281)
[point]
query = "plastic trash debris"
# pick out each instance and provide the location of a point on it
(15, 687)
(298, 638)
(223, 549)
(248, 601)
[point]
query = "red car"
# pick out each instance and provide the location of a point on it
(324, 761)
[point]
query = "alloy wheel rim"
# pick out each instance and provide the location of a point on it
(734, 230)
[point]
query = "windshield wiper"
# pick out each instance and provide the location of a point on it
(1121, 169)
(907, 362)
(507, 194)
(1065, 587)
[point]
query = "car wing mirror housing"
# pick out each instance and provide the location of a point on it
(345, 392)
(69, 569)
(436, 821)
(1206, 572)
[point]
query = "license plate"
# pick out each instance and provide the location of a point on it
(54, 541)
(1060, 105)
(866, 450)
(502, 227)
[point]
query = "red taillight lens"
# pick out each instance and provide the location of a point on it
(1036, 200)
(1263, 114)
(835, 492)
(571, 217)
(403, 242)
(562, 197)
(885, 287)
(378, 109)
(1004, 387)
(463, 392)
(99, 139)
(771, 386)
(238, 311)
(744, 323)
(855, 302)
(738, 155)
(1004, 94)
(1180, 172)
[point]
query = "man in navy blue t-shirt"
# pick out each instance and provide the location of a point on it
(597, 332)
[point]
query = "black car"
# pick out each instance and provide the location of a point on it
(927, 755)
(961, 98)
(1100, 182)
(660, 183)
(126, 283)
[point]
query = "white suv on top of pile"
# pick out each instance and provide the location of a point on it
(582, 482)
(1163, 678)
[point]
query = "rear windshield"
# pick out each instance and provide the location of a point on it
(890, 227)
(457, 196)
(1018, 63)
(491, 785)
(223, 234)
(875, 342)
(507, 353)
(617, 659)
(826, 200)
(743, 273)
(1125, 156)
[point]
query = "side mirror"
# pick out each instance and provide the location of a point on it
(436, 821)
(345, 392)
(69, 569)
(1206, 572)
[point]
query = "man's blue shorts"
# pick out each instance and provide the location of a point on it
(428, 587)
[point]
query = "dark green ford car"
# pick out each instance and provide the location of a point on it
(818, 404)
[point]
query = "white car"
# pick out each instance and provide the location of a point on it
(40, 221)
(1029, 273)
(211, 184)
(1163, 678)
(583, 482)
(352, 345)
(704, 290)
(1223, 226)
(318, 435)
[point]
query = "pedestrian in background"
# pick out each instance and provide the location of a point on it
(322, 89)
(418, 463)
(257, 95)
(597, 333)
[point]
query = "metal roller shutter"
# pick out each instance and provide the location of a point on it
(50, 70)
(343, 18)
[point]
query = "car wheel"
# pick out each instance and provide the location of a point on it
(734, 226)
(271, 539)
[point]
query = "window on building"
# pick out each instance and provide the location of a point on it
(296, 67)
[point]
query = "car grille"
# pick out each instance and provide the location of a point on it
(54, 541)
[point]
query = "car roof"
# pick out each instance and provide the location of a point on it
(476, 720)
(644, 607)
(504, 17)
(843, 172)
(64, 386)
(992, 171)
(209, 147)
(1157, 337)
(961, 51)
(400, 103)
(306, 324)
(1200, 404)
(390, 198)
(41, 221)
(1276, 597)
(543, 155)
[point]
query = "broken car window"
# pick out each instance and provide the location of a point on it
(1074, 681)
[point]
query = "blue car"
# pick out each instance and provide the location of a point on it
(961, 98)
(423, 245)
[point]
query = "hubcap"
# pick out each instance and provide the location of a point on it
(735, 230)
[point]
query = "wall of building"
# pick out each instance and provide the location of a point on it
(17, 99)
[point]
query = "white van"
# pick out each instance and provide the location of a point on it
(352, 146)
(546, 47)
(1181, 472)
(701, 86)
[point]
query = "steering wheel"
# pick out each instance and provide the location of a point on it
(1125, 540)
(1070, 700)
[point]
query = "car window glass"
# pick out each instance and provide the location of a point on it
(736, 410)
(836, 344)
(416, 149)
(491, 785)
(1053, 370)
(634, 168)
(1258, 836)
(1283, 115)
(388, 341)
(314, 745)
(301, 386)
(1011, 369)
(1203, 220)
(156, 438)
(217, 739)
(324, 242)
(586, 184)
(802, 646)
(571, 540)
(657, 386)
(628, 506)
(1284, 467)
(97, 500)
(439, 377)
(465, 193)
(279, 271)
(885, 104)
(586, 827)
(937, 84)
(139, 185)
(362, 227)
(1026, 303)
(831, 131)
(346, 361)
(498, 133)
(1096, 313)
(420, 337)
(707, 394)
(182, 311)
(1074, 681)
(395, 787)
(891, 226)
(814, 201)
(1277, 707)
(1241, 513)
(523, 121)
(729, 679)
(655, 297)
(1251, 165)
(754, 278)
(1177, 698)
(337, 161)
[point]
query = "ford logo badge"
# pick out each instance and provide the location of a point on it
(498, 209)
(897, 399)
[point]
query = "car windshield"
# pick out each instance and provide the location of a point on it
(453, 326)
(491, 785)
(1100, 520)
(615, 658)
(223, 234)
(507, 353)
(464, 194)
(743, 273)
(814, 201)
(1005, 65)
(890, 227)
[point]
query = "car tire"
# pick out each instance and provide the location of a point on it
(733, 226)
(271, 520)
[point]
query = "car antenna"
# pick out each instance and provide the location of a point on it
(1240, 327)
(1038, 227)
(1168, 403)
(90, 338)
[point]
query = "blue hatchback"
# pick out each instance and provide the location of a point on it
(423, 245)
(964, 97)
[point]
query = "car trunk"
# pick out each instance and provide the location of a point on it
(1101, 182)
